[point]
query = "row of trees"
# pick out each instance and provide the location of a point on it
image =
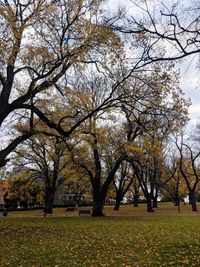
(84, 103)
(127, 140)
(145, 169)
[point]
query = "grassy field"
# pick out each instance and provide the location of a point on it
(67, 240)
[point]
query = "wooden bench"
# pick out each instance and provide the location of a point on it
(70, 209)
(85, 212)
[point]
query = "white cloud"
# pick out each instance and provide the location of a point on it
(194, 112)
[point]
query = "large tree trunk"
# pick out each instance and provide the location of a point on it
(97, 210)
(155, 201)
(49, 200)
(192, 200)
(149, 204)
(118, 201)
(117, 205)
(135, 200)
(98, 204)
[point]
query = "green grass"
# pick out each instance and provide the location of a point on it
(153, 240)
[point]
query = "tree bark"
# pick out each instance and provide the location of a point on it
(135, 200)
(98, 204)
(49, 200)
(118, 201)
(192, 200)
(155, 201)
(117, 204)
(149, 205)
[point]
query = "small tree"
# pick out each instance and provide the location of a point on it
(123, 180)
(47, 158)
(189, 168)
(22, 189)
(173, 187)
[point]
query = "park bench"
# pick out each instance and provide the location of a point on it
(70, 209)
(85, 212)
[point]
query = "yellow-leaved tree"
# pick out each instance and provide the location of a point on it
(43, 44)
(23, 189)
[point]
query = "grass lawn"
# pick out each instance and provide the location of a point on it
(153, 240)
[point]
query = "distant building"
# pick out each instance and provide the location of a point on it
(70, 199)
(2, 192)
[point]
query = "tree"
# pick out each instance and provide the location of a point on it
(43, 42)
(189, 168)
(22, 189)
(174, 187)
(46, 157)
(123, 180)
(92, 158)
(144, 178)
(103, 148)
(134, 101)
(152, 112)
(77, 184)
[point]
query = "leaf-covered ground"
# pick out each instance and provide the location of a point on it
(120, 241)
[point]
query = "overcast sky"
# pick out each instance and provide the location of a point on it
(190, 82)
